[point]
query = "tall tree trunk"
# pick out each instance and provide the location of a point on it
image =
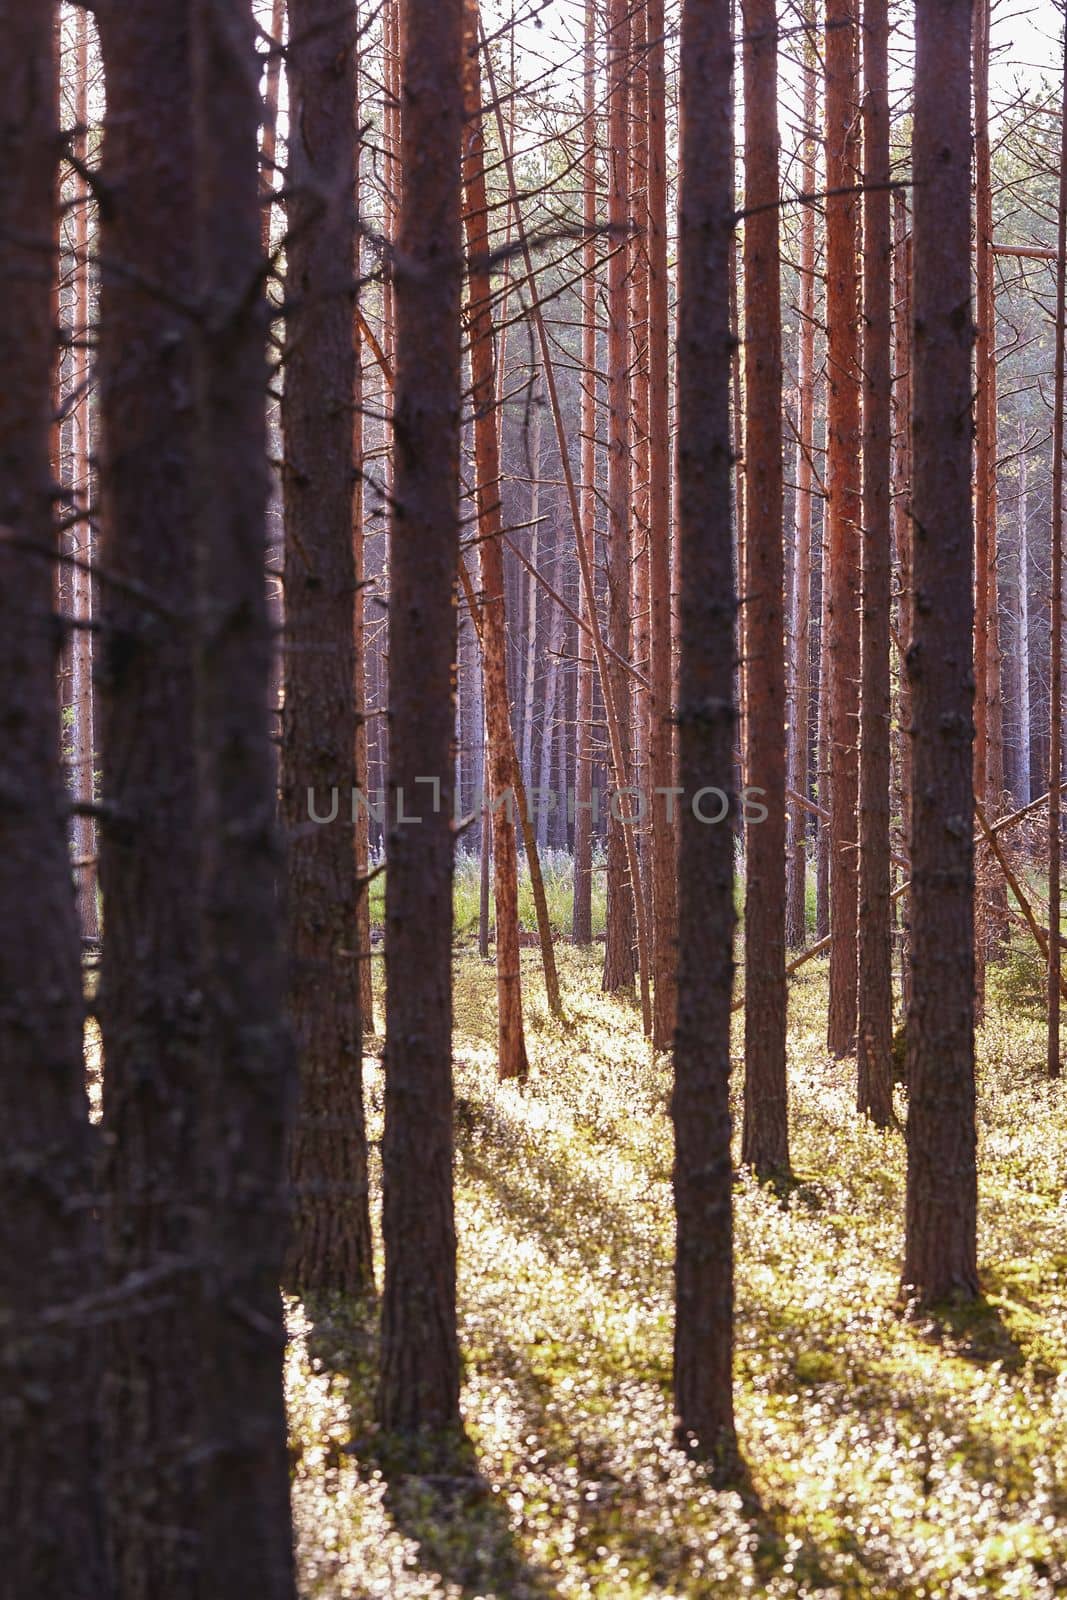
(765, 1131)
(1055, 756)
(1025, 712)
(843, 509)
(902, 535)
(419, 1383)
(703, 1179)
(822, 739)
(151, 978)
(874, 1041)
(359, 644)
(50, 1536)
(247, 1079)
(330, 1240)
(511, 1041)
(663, 839)
(940, 1248)
(796, 890)
(640, 411)
(582, 917)
(989, 748)
(81, 579)
(530, 664)
(619, 946)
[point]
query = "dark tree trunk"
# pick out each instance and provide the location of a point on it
(940, 1252)
(843, 509)
(50, 1537)
(330, 1240)
(419, 1385)
(765, 1130)
(703, 1179)
(151, 979)
(248, 1082)
(874, 1040)
(619, 945)
(511, 1039)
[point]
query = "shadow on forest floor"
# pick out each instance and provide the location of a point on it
(435, 1493)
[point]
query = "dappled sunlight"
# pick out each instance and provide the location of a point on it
(888, 1455)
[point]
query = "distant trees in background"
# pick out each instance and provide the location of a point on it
(550, 467)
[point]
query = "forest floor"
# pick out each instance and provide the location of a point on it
(889, 1456)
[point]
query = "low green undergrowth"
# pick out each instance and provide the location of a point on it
(888, 1456)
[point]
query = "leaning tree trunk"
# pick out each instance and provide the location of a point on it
(511, 1039)
(330, 1238)
(765, 1131)
(703, 1178)
(151, 980)
(246, 1077)
(619, 945)
(843, 509)
(50, 1541)
(419, 1382)
(940, 1249)
(663, 839)
(874, 1040)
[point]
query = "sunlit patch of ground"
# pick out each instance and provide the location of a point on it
(888, 1457)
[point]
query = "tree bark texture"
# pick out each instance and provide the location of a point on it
(765, 1131)
(844, 511)
(703, 1178)
(330, 1238)
(419, 1380)
(940, 1246)
(50, 1533)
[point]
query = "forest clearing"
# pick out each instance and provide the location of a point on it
(532, 799)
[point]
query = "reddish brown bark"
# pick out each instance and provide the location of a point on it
(800, 721)
(419, 1381)
(1055, 850)
(902, 531)
(940, 1246)
(661, 733)
(640, 458)
(843, 507)
(765, 1130)
(603, 653)
(989, 751)
(511, 1040)
(874, 1040)
(619, 944)
(50, 1535)
(703, 1179)
(330, 1239)
(582, 923)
